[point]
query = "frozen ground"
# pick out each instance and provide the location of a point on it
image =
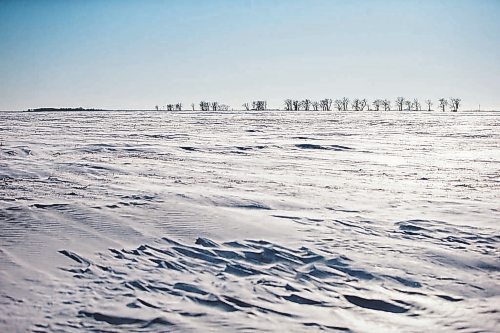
(275, 221)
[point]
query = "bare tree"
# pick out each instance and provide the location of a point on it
(315, 105)
(408, 104)
(259, 105)
(345, 103)
(178, 107)
(192, 106)
(443, 103)
(307, 104)
(454, 104)
(204, 106)
(170, 107)
(215, 106)
(296, 105)
(362, 104)
(429, 104)
(416, 105)
(399, 103)
(246, 106)
(157, 107)
(387, 104)
(355, 104)
(326, 104)
(377, 104)
(222, 107)
(338, 104)
(288, 104)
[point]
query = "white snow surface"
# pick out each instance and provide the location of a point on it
(249, 221)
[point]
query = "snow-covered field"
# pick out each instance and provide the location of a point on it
(247, 221)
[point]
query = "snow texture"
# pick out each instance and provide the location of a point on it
(249, 221)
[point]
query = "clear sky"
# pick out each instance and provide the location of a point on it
(136, 54)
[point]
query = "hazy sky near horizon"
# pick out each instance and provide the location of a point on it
(136, 54)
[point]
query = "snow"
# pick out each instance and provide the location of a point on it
(251, 221)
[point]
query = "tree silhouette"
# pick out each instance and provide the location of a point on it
(399, 103)
(259, 105)
(355, 104)
(443, 103)
(338, 104)
(326, 104)
(296, 105)
(455, 104)
(362, 104)
(408, 105)
(345, 103)
(387, 104)
(192, 106)
(429, 104)
(377, 104)
(306, 104)
(288, 104)
(416, 105)
(246, 106)
(204, 106)
(178, 107)
(315, 105)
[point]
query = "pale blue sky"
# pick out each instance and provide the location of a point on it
(136, 54)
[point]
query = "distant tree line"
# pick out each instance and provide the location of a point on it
(214, 106)
(327, 104)
(256, 106)
(358, 104)
(64, 109)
